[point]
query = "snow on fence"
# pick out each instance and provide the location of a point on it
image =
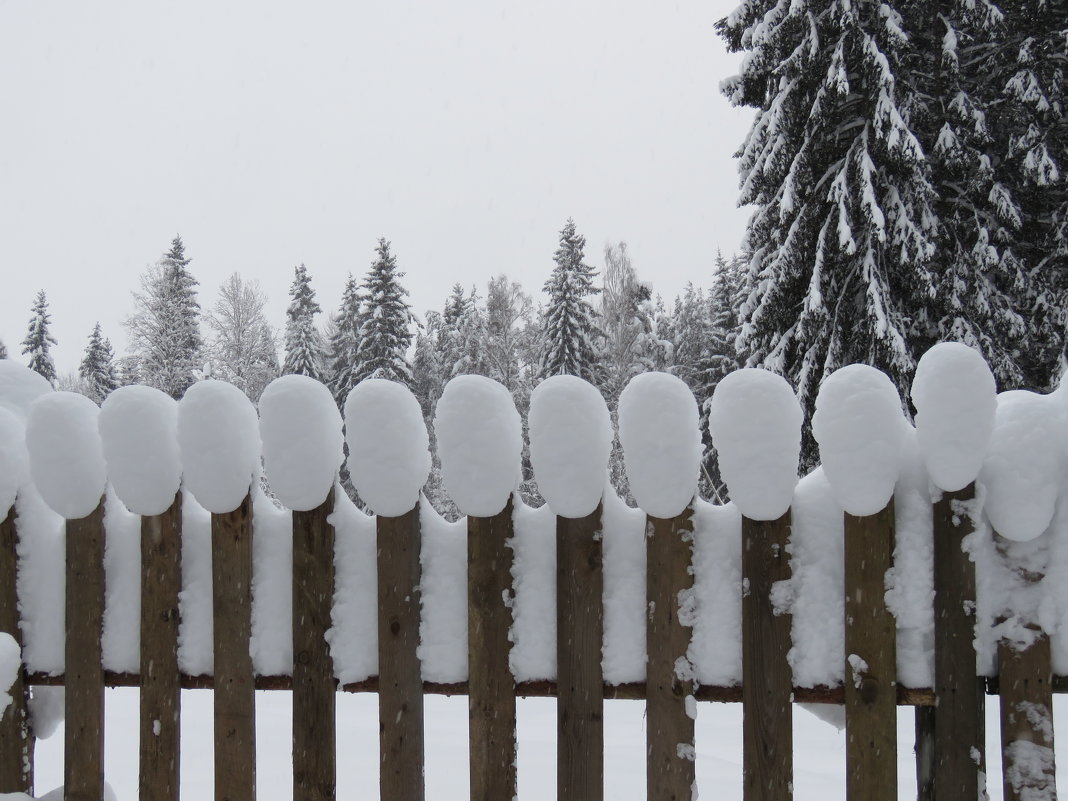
(921, 566)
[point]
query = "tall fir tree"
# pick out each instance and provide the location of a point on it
(98, 369)
(39, 340)
(303, 342)
(386, 330)
(570, 322)
(345, 343)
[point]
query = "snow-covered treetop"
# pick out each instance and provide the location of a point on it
(66, 460)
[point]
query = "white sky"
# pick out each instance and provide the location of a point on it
(268, 134)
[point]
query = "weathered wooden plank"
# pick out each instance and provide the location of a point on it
(925, 753)
(957, 718)
(400, 683)
(871, 659)
(161, 687)
(16, 739)
(491, 702)
(580, 681)
(235, 699)
(314, 708)
(767, 682)
(83, 752)
(670, 767)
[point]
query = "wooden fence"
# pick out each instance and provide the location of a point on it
(949, 715)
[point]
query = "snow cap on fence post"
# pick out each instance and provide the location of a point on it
(389, 448)
(218, 435)
(570, 442)
(300, 427)
(14, 468)
(19, 387)
(480, 443)
(860, 429)
(1024, 467)
(659, 429)
(139, 434)
(66, 460)
(755, 420)
(955, 397)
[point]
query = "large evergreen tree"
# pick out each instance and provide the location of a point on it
(304, 343)
(570, 324)
(39, 340)
(345, 343)
(385, 332)
(98, 369)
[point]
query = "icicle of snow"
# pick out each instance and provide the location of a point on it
(66, 460)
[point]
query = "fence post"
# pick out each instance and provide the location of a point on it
(400, 684)
(579, 678)
(83, 751)
(16, 738)
(767, 681)
(235, 696)
(491, 691)
(871, 659)
(161, 688)
(670, 703)
(314, 710)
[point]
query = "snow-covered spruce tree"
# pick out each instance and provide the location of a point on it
(345, 343)
(385, 332)
(98, 368)
(242, 348)
(165, 328)
(39, 340)
(571, 331)
(304, 344)
(843, 234)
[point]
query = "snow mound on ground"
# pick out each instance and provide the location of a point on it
(480, 442)
(10, 665)
(570, 442)
(389, 448)
(219, 438)
(139, 435)
(66, 461)
(660, 433)
(302, 441)
(14, 469)
(1023, 471)
(955, 397)
(755, 421)
(860, 429)
(19, 387)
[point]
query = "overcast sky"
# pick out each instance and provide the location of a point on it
(270, 134)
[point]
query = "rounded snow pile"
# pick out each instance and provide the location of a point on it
(139, 435)
(13, 467)
(389, 448)
(755, 421)
(570, 442)
(955, 397)
(860, 429)
(302, 442)
(66, 461)
(480, 443)
(218, 435)
(661, 438)
(1023, 470)
(19, 387)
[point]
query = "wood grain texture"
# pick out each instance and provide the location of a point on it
(400, 683)
(579, 636)
(671, 767)
(235, 699)
(491, 702)
(83, 752)
(314, 708)
(161, 685)
(871, 659)
(767, 682)
(16, 739)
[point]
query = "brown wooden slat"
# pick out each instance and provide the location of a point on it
(314, 711)
(400, 685)
(16, 739)
(767, 681)
(83, 752)
(925, 753)
(670, 766)
(491, 686)
(579, 635)
(235, 699)
(870, 634)
(161, 688)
